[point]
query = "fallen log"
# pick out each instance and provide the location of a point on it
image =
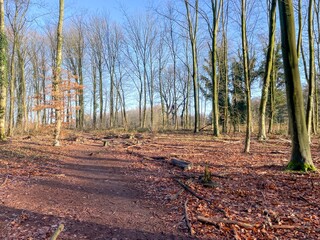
(181, 164)
(215, 221)
(176, 195)
(186, 187)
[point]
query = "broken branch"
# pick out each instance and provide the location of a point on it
(215, 221)
(186, 217)
(186, 187)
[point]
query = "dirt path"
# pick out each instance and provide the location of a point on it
(97, 193)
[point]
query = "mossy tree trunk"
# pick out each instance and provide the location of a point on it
(57, 77)
(3, 73)
(300, 155)
(268, 71)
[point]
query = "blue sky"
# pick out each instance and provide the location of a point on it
(113, 7)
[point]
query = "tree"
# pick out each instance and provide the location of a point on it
(310, 102)
(213, 27)
(3, 73)
(193, 29)
(17, 22)
(57, 76)
(245, 60)
(268, 71)
(300, 154)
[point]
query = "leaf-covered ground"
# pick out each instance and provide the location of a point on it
(130, 190)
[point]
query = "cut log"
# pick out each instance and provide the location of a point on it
(215, 221)
(181, 164)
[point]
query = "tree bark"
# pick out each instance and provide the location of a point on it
(310, 103)
(57, 77)
(300, 154)
(216, 9)
(193, 40)
(246, 74)
(268, 70)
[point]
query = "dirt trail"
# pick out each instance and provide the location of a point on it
(96, 192)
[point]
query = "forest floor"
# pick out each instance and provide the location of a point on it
(130, 190)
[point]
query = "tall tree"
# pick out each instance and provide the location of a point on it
(193, 29)
(310, 102)
(57, 76)
(245, 60)
(268, 71)
(216, 7)
(3, 73)
(300, 154)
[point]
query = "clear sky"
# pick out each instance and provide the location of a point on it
(113, 7)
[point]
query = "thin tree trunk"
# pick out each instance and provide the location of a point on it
(300, 29)
(268, 69)
(216, 9)
(310, 103)
(95, 105)
(12, 87)
(246, 75)
(100, 92)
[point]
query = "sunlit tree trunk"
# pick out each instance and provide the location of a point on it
(300, 155)
(22, 108)
(57, 76)
(268, 71)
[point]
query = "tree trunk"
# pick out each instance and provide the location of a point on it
(300, 155)
(57, 76)
(193, 41)
(95, 105)
(100, 91)
(268, 70)
(300, 29)
(216, 8)
(310, 103)
(246, 74)
(22, 108)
